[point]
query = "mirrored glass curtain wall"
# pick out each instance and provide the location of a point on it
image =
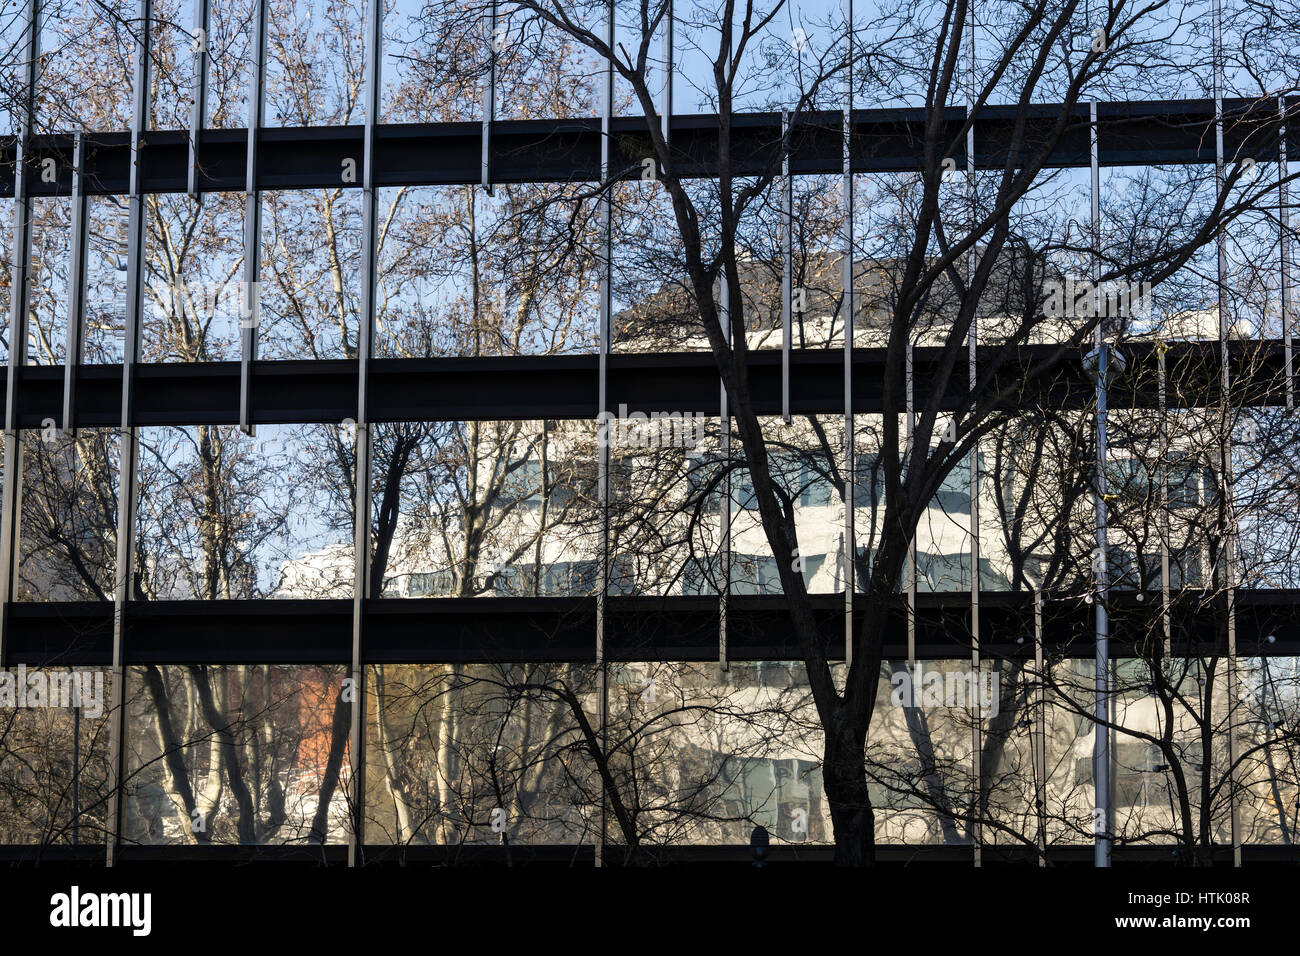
(370, 486)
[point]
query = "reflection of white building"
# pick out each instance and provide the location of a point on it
(544, 540)
(328, 572)
(772, 775)
(550, 547)
(420, 564)
(769, 773)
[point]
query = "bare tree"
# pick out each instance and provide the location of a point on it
(962, 240)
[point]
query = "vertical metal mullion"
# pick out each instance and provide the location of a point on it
(1101, 662)
(1284, 225)
(250, 306)
(787, 266)
(603, 478)
(364, 436)
(909, 439)
(977, 772)
(1225, 453)
(724, 434)
(489, 99)
(1040, 727)
(199, 92)
(127, 477)
(666, 107)
(76, 287)
(850, 465)
(909, 429)
(1165, 529)
(22, 256)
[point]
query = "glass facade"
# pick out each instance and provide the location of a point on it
(280, 402)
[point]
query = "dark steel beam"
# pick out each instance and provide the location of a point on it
(562, 150)
(566, 386)
(638, 628)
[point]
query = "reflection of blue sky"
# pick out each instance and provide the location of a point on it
(427, 276)
(779, 62)
(283, 494)
(11, 28)
(1252, 246)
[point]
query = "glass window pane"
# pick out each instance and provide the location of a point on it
(435, 60)
(48, 281)
(664, 535)
(230, 63)
(463, 273)
(315, 62)
(104, 323)
(247, 755)
(919, 754)
(481, 754)
(806, 460)
(171, 61)
(310, 284)
(194, 260)
(88, 65)
(69, 516)
(226, 516)
(54, 757)
(489, 509)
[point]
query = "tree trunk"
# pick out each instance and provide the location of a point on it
(844, 775)
(340, 728)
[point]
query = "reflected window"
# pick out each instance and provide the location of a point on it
(869, 487)
(953, 496)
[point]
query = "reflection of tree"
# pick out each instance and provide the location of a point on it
(977, 241)
(516, 754)
(69, 517)
(465, 274)
(230, 754)
(1195, 732)
(695, 262)
(54, 772)
(1175, 780)
(1202, 493)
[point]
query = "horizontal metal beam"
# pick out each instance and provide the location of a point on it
(564, 150)
(566, 386)
(672, 628)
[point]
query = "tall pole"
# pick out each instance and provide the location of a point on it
(1229, 529)
(364, 435)
(977, 731)
(1101, 562)
(606, 217)
(850, 465)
